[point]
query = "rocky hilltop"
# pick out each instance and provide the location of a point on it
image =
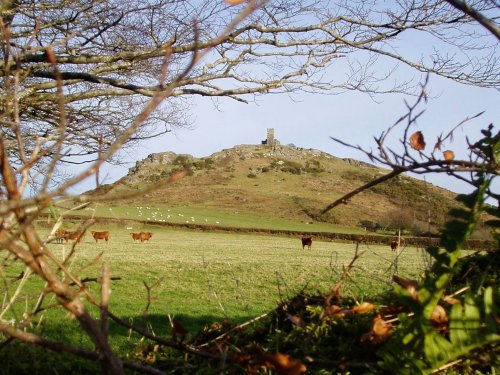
(163, 160)
(290, 182)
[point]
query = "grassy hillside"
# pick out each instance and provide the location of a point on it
(284, 183)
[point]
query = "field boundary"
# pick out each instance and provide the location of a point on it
(471, 244)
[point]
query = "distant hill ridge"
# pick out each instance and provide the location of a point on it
(293, 183)
(244, 152)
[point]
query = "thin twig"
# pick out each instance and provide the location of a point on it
(149, 298)
(447, 366)
(335, 291)
(25, 276)
(238, 327)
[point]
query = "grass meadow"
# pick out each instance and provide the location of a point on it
(210, 216)
(202, 277)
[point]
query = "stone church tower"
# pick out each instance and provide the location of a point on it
(270, 140)
(270, 137)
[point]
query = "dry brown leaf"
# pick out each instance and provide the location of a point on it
(409, 285)
(363, 308)
(336, 311)
(381, 327)
(283, 364)
(439, 315)
(417, 141)
(380, 333)
(449, 155)
(451, 300)
(234, 2)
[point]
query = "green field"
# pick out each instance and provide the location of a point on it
(162, 213)
(206, 277)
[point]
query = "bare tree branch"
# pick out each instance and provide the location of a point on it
(110, 58)
(480, 160)
(488, 23)
(63, 348)
(427, 167)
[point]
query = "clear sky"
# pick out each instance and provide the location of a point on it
(308, 120)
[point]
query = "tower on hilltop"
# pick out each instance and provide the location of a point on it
(270, 140)
(270, 136)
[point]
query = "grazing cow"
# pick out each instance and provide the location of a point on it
(74, 236)
(142, 236)
(307, 241)
(100, 236)
(136, 237)
(61, 235)
(146, 236)
(394, 245)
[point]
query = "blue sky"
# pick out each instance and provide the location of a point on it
(308, 120)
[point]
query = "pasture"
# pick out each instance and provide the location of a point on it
(162, 213)
(201, 277)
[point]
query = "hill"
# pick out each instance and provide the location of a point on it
(288, 182)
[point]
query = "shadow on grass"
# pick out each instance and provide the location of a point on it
(160, 325)
(20, 358)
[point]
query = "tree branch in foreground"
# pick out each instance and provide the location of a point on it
(482, 155)
(58, 347)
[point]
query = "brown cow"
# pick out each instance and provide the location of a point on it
(74, 236)
(61, 235)
(307, 241)
(146, 236)
(136, 237)
(394, 245)
(142, 236)
(100, 236)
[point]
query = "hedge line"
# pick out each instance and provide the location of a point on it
(471, 244)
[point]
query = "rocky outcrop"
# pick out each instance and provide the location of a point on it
(245, 152)
(157, 159)
(357, 163)
(163, 162)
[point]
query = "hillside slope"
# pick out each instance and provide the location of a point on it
(288, 182)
